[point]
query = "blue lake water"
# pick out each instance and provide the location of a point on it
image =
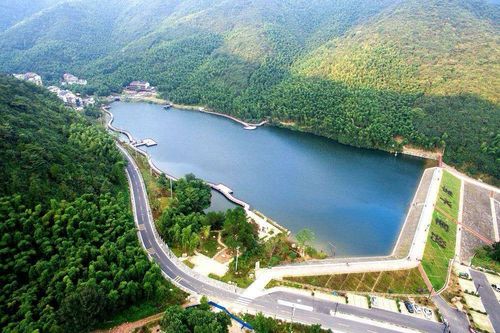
(355, 199)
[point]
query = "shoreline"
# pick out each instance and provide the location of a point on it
(262, 220)
(198, 108)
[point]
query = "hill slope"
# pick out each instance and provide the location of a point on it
(69, 254)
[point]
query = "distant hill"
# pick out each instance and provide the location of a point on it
(378, 74)
(437, 47)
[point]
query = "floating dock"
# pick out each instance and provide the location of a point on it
(146, 142)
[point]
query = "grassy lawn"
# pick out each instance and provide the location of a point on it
(242, 280)
(209, 246)
(436, 257)
(389, 282)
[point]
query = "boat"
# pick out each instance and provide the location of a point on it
(250, 127)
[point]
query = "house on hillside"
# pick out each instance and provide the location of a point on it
(68, 97)
(30, 77)
(70, 79)
(139, 86)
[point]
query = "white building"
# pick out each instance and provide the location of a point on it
(68, 97)
(71, 79)
(30, 77)
(139, 86)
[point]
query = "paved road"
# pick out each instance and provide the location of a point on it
(488, 298)
(267, 304)
(457, 320)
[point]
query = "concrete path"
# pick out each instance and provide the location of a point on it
(358, 265)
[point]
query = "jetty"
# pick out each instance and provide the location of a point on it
(247, 126)
(146, 142)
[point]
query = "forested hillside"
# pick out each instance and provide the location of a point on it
(69, 254)
(377, 74)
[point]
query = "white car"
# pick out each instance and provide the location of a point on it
(427, 313)
(417, 308)
(373, 300)
(496, 287)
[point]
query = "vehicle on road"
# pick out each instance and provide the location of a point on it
(496, 287)
(409, 307)
(427, 313)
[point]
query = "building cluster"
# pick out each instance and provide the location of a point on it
(70, 79)
(143, 88)
(30, 77)
(71, 99)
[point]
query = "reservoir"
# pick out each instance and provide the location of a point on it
(354, 199)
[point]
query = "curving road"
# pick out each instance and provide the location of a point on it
(282, 305)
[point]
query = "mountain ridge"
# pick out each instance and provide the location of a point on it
(382, 68)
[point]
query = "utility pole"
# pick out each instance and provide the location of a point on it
(237, 253)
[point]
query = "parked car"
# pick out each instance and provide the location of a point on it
(496, 287)
(373, 300)
(464, 275)
(409, 307)
(427, 313)
(417, 308)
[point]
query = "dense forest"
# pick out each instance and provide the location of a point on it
(69, 255)
(378, 74)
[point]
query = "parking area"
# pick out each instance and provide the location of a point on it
(494, 279)
(384, 303)
(417, 311)
(482, 321)
(357, 300)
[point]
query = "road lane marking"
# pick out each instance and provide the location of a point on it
(295, 305)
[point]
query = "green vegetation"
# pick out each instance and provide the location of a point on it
(157, 186)
(488, 257)
(185, 225)
(209, 243)
(70, 258)
(440, 246)
(378, 74)
(390, 282)
(262, 324)
(194, 319)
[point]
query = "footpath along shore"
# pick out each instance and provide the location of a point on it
(266, 226)
(160, 101)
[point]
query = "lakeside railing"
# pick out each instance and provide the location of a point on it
(166, 249)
